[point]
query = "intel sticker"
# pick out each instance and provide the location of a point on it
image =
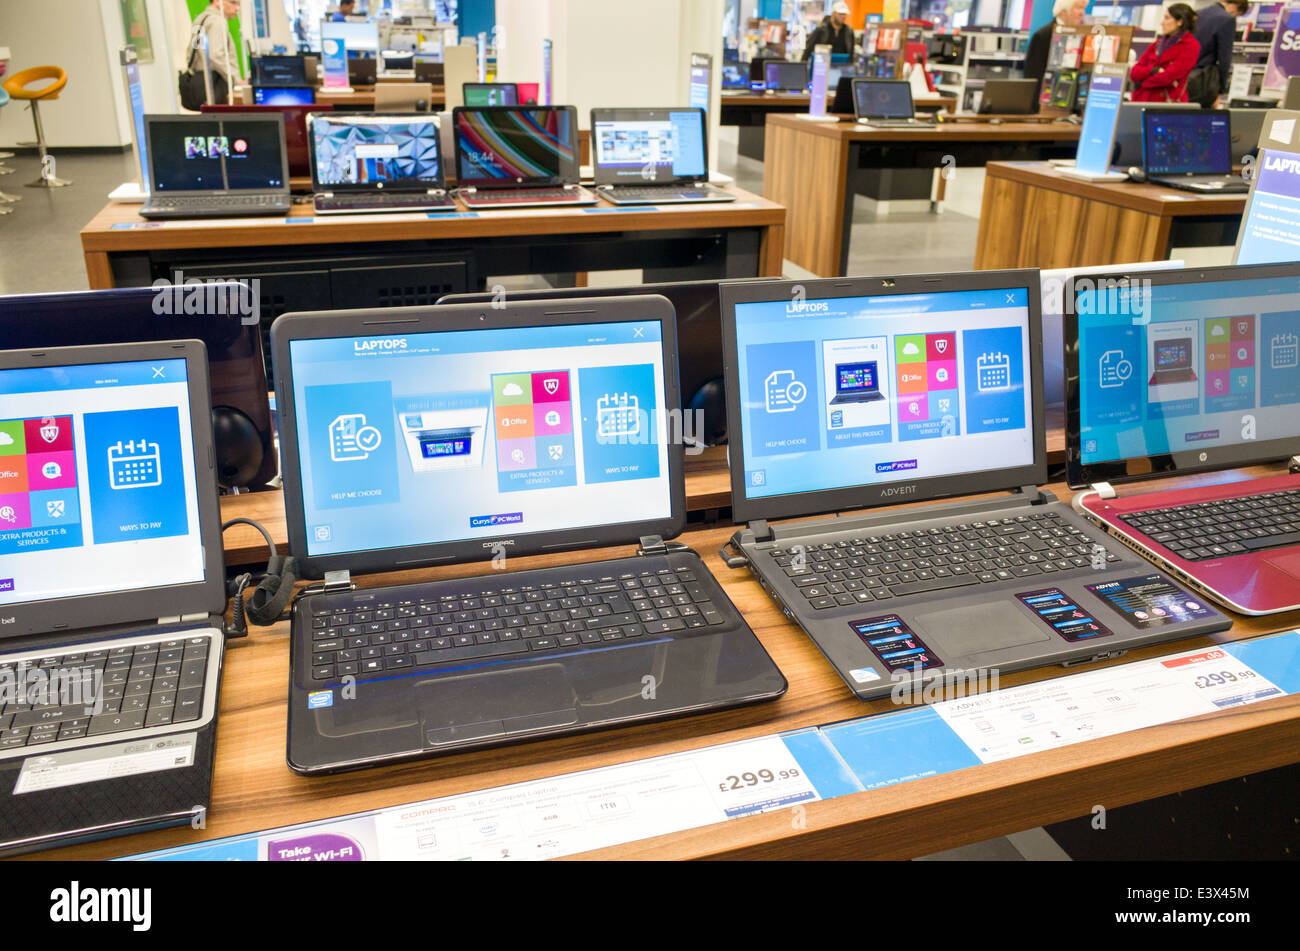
(320, 698)
(864, 675)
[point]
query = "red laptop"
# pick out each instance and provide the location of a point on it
(1175, 372)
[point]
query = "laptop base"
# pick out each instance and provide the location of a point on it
(527, 197)
(1205, 184)
(663, 194)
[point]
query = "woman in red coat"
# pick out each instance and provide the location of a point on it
(1161, 74)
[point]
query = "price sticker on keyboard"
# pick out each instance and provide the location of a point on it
(757, 776)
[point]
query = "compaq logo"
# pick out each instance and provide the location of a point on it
(898, 490)
(76, 904)
(6, 620)
(365, 346)
(807, 307)
(503, 541)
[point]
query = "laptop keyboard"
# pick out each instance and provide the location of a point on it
(420, 626)
(525, 195)
(1222, 528)
(879, 567)
(219, 202)
(103, 689)
(663, 193)
(387, 203)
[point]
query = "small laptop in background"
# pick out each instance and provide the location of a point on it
(363, 162)
(886, 104)
(403, 97)
(491, 94)
(429, 70)
(285, 71)
(784, 76)
(112, 586)
(652, 156)
(283, 96)
(1128, 129)
(1245, 126)
(1190, 150)
(1009, 97)
(362, 70)
(216, 166)
(518, 157)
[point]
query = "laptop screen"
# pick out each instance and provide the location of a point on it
(471, 434)
(491, 94)
(97, 483)
(279, 71)
(792, 77)
(952, 371)
(211, 154)
(648, 145)
(365, 151)
(359, 38)
(1186, 143)
(856, 377)
(883, 99)
(1207, 364)
(283, 95)
(516, 146)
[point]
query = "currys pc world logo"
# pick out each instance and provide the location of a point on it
(504, 518)
(371, 346)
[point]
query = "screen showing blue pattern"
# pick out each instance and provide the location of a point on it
(374, 151)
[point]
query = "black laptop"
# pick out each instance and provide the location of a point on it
(857, 382)
(517, 156)
(365, 163)
(1191, 150)
(420, 437)
(983, 583)
(652, 156)
(1009, 97)
(886, 104)
(111, 591)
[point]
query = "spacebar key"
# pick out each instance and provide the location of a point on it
(933, 584)
(1271, 541)
(425, 658)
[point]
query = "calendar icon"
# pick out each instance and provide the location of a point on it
(134, 465)
(618, 415)
(1284, 351)
(992, 372)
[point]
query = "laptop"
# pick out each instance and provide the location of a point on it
(1190, 150)
(784, 76)
(403, 97)
(420, 437)
(111, 592)
(1171, 360)
(857, 383)
(216, 166)
(886, 104)
(1236, 542)
(652, 156)
(734, 76)
(364, 162)
(1128, 129)
(429, 69)
(491, 94)
(517, 157)
(286, 71)
(1009, 582)
(283, 96)
(297, 146)
(362, 70)
(1245, 127)
(1009, 97)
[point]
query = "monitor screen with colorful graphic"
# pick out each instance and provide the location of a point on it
(367, 151)
(648, 145)
(505, 145)
(426, 438)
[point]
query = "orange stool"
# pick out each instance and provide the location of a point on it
(16, 85)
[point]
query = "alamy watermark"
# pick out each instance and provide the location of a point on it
(1099, 296)
(921, 687)
(208, 298)
(26, 683)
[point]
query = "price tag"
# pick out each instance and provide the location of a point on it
(756, 776)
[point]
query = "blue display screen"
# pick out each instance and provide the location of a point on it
(1097, 135)
(1186, 143)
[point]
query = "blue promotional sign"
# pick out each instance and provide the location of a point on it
(821, 65)
(334, 60)
(1097, 136)
(482, 57)
(701, 81)
(135, 96)
(1270, 232)
(547, 50)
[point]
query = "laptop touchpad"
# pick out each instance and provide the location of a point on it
(978, 629)
(466, 707)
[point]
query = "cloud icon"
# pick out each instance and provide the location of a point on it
(910, 349)
(512, 389)
(6, 439)
(1217, 331)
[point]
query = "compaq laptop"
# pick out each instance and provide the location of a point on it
(857, 382)
(652, 156)
(111, 591)
(1010, 582)
(296, 143)
(419, 437)
(1237, 542)
(517, 157)
(1190, 150)
(885, 104)
(363, 162)
(216, 166)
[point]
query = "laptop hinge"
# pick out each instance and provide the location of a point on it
(762, 531)
(1293, 466)
(436, 192)
(337, 581)
(652, 545)
(1104, 490)
(1036, 495)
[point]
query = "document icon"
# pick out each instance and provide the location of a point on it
(1284, 351)
(1114, 369)
(992, 372)
(351, 440)
(134, 465)
(782, 393)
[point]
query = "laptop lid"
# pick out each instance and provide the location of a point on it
(491, 94)
(651, 146)
(785, 76)
(360, 152)
(280, 71)
(296, 144)
(1196, 142)
(1128, 128)
(419, 436)
(516, 146)
(882, 99)
(283, 95)
(854, 378)
(1011, 97)
(1237, 329)
(960, 366)
(203, 154)
(108, 495)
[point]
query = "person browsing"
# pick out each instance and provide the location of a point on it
(1161, 74)
(834, 31)
(1216, 31)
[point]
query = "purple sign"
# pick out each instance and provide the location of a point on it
(6, 584)
(1284, 59)
(320, 847)
(1266, 17)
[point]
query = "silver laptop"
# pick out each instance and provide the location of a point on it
(652, 156)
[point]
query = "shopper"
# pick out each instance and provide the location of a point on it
(345, 10)
(1161, 74)
(1216, 30)
(834, 31)
(1064, 12)
(222, 55)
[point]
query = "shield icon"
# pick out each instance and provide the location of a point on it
(54, 508)
(49, 429)
(550, 385)
(1241, 326)
(941, 344)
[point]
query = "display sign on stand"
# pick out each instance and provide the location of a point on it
(1284, 57)
(1270, 228)
(821, 66)
(701, 81)
(548, 49)
(334, 62)
(481, 49)
(131, 192)
(1100, 117)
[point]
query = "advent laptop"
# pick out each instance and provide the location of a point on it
(517, 157)
(652, 156)
(111, 591)
(216, 166)
(364, 162)
(296, 143)
(1190, 150)
(1010, 582)
(429, 436)
(885, 104)
(857, 382)
(1237, 542)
